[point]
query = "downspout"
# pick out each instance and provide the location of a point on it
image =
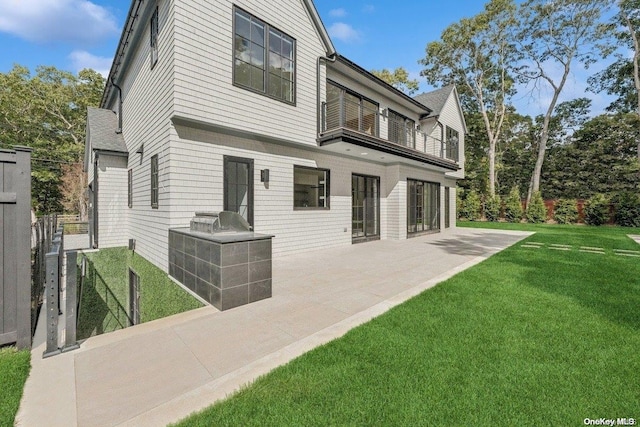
(329, 58)
(95, 201)
(113, 83)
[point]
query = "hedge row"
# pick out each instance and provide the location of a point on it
(622, 209)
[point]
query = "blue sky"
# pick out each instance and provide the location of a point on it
(76, 34)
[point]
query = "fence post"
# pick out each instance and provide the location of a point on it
(71, 306)
(23, 246)
(51, 290)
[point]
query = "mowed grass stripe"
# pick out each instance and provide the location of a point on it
(524, 338)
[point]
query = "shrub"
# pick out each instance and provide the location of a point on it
(513, 206)
(566, 211)
(492, 207)
(536, 211)
(459, 204)
(627, 209)
(596, 210)
(471, 209)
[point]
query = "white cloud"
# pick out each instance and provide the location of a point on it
(344, 32)
(75, 21)
(338, 13)
(369, 8)
(81, 59)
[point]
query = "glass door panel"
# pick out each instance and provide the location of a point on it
(238, 187)
(365, 201)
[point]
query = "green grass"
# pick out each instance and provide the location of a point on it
(529, 337)
(14, 370)
(105, 294)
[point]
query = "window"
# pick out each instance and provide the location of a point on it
(130, 187)
(154, 182)
(402, 130)
(423, 206)
(153, 39)
(310, 188)
(447, 207)
(264, 58)
(452, 144)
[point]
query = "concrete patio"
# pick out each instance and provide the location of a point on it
(161, 371)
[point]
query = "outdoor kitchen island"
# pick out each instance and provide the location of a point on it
(220, 259)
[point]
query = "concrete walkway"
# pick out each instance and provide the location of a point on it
(161, 371)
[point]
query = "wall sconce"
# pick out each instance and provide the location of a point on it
(264, 175)
(141, 152)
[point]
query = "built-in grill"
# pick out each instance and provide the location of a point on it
(221, 259)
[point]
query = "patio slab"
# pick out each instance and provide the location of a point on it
(161, 371)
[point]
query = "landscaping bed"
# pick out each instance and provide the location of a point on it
(535, 335)
(104, 303)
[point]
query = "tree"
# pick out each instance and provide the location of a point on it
(398, 78)
(475, 54)
(553, 35)
(47, 112)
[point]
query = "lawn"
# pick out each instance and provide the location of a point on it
(528, 337)
(14, 370)
(104, 305)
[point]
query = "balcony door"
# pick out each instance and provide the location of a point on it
(238, 186)
(365, 205)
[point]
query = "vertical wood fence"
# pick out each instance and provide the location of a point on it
(15, 250)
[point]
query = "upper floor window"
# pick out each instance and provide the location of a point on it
(154, 181)
(451, 141)
(401, 129)
(264, 58)
(153, 39)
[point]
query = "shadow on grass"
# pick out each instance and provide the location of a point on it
(100, 309)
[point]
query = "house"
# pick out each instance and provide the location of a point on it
(247, 106)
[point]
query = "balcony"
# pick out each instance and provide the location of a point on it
(352, 122)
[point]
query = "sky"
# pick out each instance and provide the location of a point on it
(375, 34)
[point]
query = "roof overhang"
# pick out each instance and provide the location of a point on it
(365, 147)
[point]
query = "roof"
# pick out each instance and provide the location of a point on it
(102, 126)
(436, 99)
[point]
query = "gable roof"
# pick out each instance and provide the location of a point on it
(436, 99)
(102, 134)
(131, 31)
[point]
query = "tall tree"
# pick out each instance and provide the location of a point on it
(47, 112)
(475, 54)
(553, 35)
(398, 78)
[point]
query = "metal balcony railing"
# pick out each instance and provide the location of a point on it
(351, 115)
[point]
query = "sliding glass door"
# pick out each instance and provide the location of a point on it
(423, 206)
(365, 202)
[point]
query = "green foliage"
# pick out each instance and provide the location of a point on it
(398, 78)
(459, 203)
(492, 207)
(471, 206)
(47, 112)
(566, 211)
(536, 211)
(513, 206)
(627, 209)
(14, 370)
(596, 210)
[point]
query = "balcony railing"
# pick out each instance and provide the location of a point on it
(351, 115)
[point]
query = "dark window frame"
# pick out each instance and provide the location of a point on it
(451, 149)
(342, 119)
(130, 188)
(439, 213)
(407, 121)
(327, 186)
(266, 59)
(250, 189)
(154, 181)
(154, 30)
(376, 236)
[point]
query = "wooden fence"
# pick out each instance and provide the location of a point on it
(15, 251)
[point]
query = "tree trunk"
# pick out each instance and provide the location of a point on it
(636, 67)
(492, 168)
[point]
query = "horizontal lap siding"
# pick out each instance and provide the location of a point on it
(204, 87)
(147, 109)
(112, 201)
(450, 116)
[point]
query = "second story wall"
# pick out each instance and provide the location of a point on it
(204, 69)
